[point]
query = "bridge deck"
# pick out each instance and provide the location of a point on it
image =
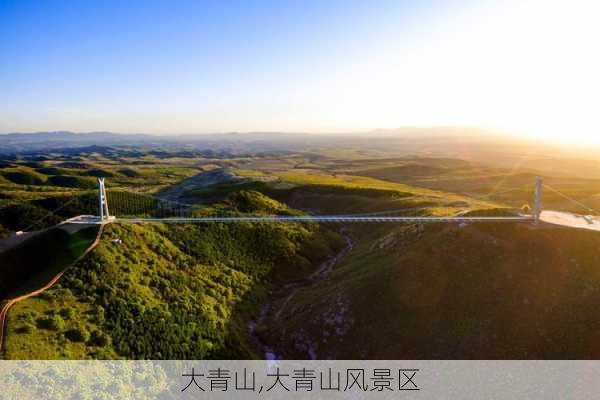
(324, 218)
(89, 219)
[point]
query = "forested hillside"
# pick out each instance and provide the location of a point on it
(450, 291)
(169, 292)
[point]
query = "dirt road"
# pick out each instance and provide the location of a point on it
(9, 303)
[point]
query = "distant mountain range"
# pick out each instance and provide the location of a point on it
(12, 143)
(25, 142)
(455, 142)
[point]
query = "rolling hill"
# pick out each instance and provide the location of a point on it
(155, 291)
(504, 291)
(477, 290)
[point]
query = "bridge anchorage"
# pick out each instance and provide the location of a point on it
(135, 207)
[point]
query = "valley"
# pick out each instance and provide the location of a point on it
(295, 290)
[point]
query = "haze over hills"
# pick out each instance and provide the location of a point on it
(60, 138)
(470, 144)
(18, 141)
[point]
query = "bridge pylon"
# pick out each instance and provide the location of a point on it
(537, 200)
(102, 201)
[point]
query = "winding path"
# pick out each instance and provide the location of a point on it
(11, 302)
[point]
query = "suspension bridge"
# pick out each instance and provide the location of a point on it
(140, 208)
(133, 207)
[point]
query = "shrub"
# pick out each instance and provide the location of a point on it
(67, 313)
(99, 314)
(47, 295)
(4, 233)
(51, 322)
(27, 328)
(79, 334)
(27, 317)
(100, 339)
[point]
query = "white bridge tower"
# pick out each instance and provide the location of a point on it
(103, 201)
(537, 200)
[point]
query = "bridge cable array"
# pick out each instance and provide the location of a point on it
(487, 196)
(134, 203)
(51, 213)
(576, 202)
(124, 203)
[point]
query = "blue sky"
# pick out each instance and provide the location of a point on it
(194, 66)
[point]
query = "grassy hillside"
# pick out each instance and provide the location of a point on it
(348, 194)
(156, 291)
(34, 194)
(396, 291)
(451, 291)
(513, 186)
(34, 262)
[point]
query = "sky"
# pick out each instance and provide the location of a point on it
(527, 67)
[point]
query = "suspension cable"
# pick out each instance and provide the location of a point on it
(487, 196)
(580, 204)
(151, 197)
(50, 213)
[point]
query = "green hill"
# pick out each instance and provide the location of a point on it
(26, 216)
(72, 181)
(36, 261)
(169, 292)
(99, 173)
(507, 291)
(24, 176)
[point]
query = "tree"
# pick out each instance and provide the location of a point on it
(79, 334)
(52, 322)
